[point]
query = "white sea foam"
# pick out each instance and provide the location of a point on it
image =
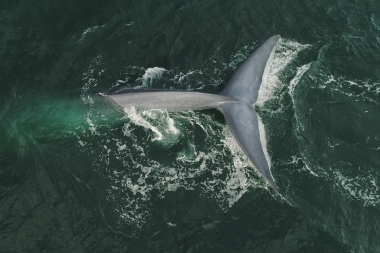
(360, 188)
(87, 31)
(284, 53)
(90, 79)
(263, 140)
(182, 77)
(236, 185)
(238, 179)
(91, 127)
(367, 89)
(293, 83)
(157, 121)
(140, 121)
(150, 74)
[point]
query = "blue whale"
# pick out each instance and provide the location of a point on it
(235, 101)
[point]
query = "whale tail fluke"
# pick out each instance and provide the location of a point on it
(241, 117)
(234, 101)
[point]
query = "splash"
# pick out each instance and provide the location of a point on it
(284, 54)
(150, 75)
(163, 128)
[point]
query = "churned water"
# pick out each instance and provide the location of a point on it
(76, 175)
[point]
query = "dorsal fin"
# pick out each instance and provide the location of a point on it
(246, 80)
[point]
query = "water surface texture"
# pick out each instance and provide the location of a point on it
(78, 176)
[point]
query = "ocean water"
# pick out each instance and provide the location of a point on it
(78, 176)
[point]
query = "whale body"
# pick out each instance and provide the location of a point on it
(235, 101)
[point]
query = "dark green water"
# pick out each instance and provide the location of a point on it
(77, 176)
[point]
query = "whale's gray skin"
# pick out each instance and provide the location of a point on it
(170, 100)
(234, 101)
(247, 78)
